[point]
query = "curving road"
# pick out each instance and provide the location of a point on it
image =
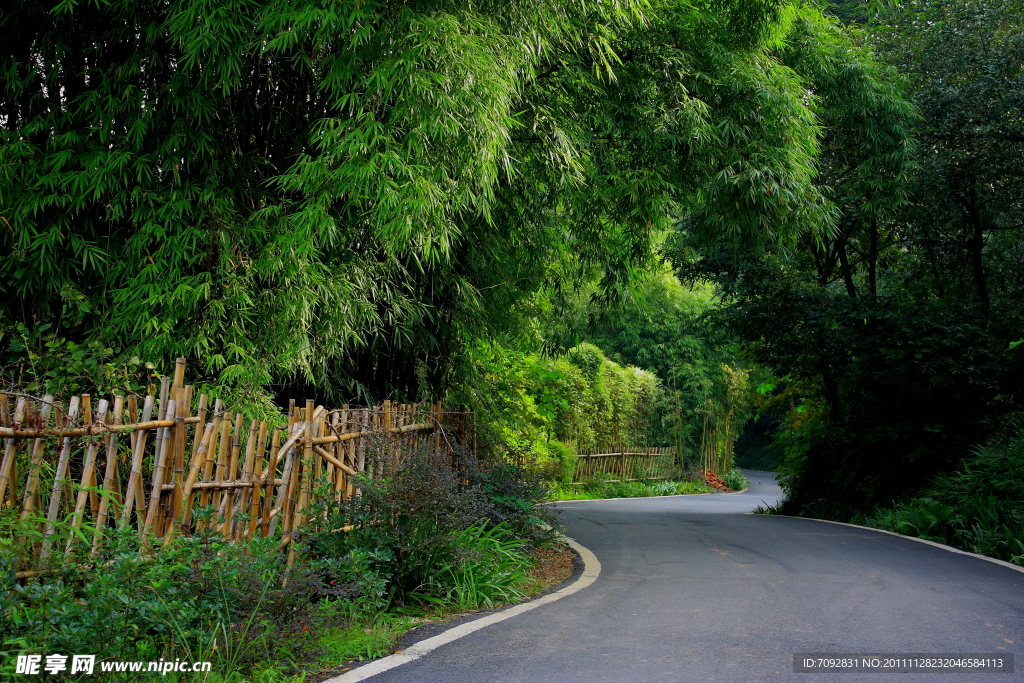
(693, 589)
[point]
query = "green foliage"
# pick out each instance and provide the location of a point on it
(512, 493)
(736, 480)
(665, 328)
(412, 529)
(345, 197)
(197, 599)
(363, 641)
(892, 391)
(491, 569)
(627, 489)
(421, 538)
(546, 407)
(893, 328)
(558, 464)
(48, 364)
(978, 507)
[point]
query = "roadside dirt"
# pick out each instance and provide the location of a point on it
(554, 565)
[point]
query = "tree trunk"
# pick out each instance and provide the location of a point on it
(873, 258)
(844, 263)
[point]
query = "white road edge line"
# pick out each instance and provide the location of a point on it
(591, 570)
(1004, 563)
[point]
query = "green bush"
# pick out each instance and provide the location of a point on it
(535, 403)
(200, 599)
(412, 524)
(736, 480)
(557, 463)
(512, 494)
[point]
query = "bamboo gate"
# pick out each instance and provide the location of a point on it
(627, 464)
(155, 462)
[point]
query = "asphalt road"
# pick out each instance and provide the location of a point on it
(693, 589)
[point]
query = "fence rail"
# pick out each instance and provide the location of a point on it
(153, 466)
(627, 464)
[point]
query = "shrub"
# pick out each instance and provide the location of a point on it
(197, 598)
(736, 480)
(409, 524)
(426, 533)
(557, 463)
(514, 494)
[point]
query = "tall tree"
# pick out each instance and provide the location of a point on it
(891, 328)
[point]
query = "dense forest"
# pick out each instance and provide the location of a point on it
(590, 222)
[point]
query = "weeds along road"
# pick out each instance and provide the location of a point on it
(693, 589)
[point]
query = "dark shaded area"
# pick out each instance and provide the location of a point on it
(756, 449)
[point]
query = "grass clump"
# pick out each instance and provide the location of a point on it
(626, 489)
(362, 641)
(736, 480)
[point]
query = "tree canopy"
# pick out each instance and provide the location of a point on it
(344, 194)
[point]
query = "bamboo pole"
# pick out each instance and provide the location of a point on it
(228, 496)
(134, 493)
(8, 432)
(211, 452)
(184, 407)
(342, 481)
(87, 472)
(10, 452)
(257, 473)
(58, 483)
(160, 467)
(224, 485)
(363, 422)
(350, 450)
(306, 480)
(221, 468)
(199, 459)
(201, 410)
(29, 499)
(333, 461)
(336, 475)
(283, 493)
(268, 476)
(242, 499)
(162, 405)
(110, 476)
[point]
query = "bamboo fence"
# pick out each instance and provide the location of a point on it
(161, 463)
(628, 464)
